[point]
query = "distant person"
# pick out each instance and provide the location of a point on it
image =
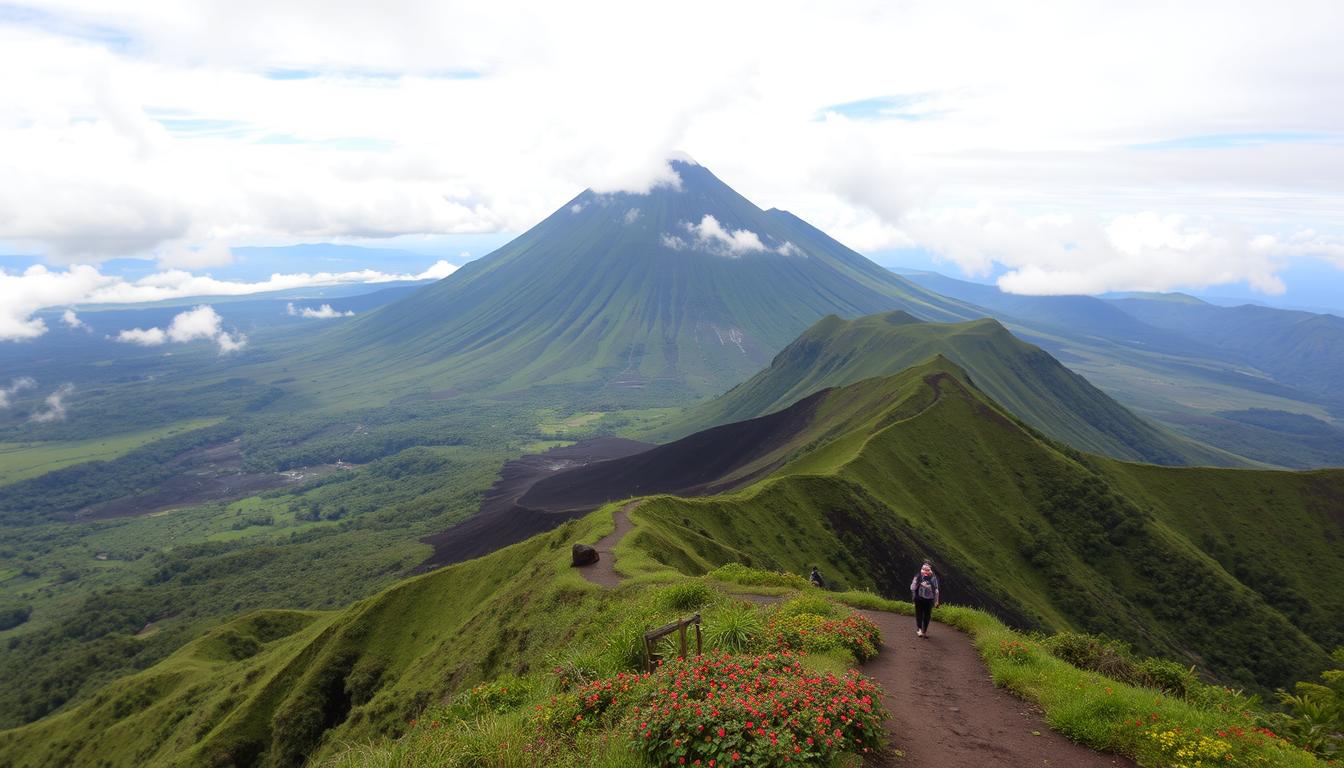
(816, 579)
(924, 593)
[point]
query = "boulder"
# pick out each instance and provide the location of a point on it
(584, 555)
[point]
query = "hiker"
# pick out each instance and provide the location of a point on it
(815, 578)
(924, 593)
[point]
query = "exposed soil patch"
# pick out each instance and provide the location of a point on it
(502, 519)
(691, 466)
(209, 473)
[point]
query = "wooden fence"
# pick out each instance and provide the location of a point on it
(651, 639)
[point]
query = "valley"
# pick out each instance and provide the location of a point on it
(257, 558)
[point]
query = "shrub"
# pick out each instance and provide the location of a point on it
(498, 696)
(736, 628)
(749, 710)
(1314, 719)
(1166, 676)
(624, 648)
(737, 573)
(813, 633)
(1237, 746)
(685, 597)
(13, 615)
(1015, 651)
(817, 606)
(1111, 658)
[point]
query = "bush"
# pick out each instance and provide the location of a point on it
(818, 634)
(12, 616)
(741, 710)
(736, 628)
(817, 606)
(1111, 658)
(498, 696)
(1166, 676)
(685, 597)
(737, 573)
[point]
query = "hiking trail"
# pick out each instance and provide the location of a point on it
(945, 711)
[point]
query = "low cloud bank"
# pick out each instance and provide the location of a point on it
(201, 322)
(15, 387)
(324, 312)
(25, 293)
(55, 405)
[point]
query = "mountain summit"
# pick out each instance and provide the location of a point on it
(687, 288)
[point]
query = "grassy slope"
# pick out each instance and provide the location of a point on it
(1042, 535)
(236, 696)
(1019, 376)
(19, 461)
(934, 469)
(1186, 363)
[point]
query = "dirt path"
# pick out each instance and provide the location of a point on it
(603, 572)
(945, 710)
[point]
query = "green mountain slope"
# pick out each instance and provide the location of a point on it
(1019, 376)
(1254, 381)
(1159, 556)
(683, 290)
(1191, 563)
(1300, 349)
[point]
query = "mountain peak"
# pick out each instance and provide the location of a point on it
(678, 157)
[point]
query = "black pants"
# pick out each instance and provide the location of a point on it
(923, 610)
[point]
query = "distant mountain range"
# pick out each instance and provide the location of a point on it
(1255, 381)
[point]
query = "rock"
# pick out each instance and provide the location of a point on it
(584, 555)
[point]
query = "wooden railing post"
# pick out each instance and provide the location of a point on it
(651, 639)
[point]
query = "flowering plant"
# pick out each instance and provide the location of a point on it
(810, 632)
(1249, 747)
(752, 710)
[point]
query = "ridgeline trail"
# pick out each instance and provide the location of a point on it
(945, 710)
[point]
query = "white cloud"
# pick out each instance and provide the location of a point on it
(145, 337)
(437, 271)
(631, 216)
(200, 322)
(55, 405)
(674, 242)
(23, 294)
(1305, 242)
(166, 138)
(1144, 251)
(323, 312)
(15, 386)
(71, 319)
(179, 255)
(712, 237)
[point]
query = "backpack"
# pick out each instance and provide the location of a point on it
(925, 591)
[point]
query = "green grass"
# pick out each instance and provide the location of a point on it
(577, 423)
(1020, 377)
(1089, 708)
(19, 461)
(891, 471)
(1044, 536)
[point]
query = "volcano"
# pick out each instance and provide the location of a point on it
(686, 289)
